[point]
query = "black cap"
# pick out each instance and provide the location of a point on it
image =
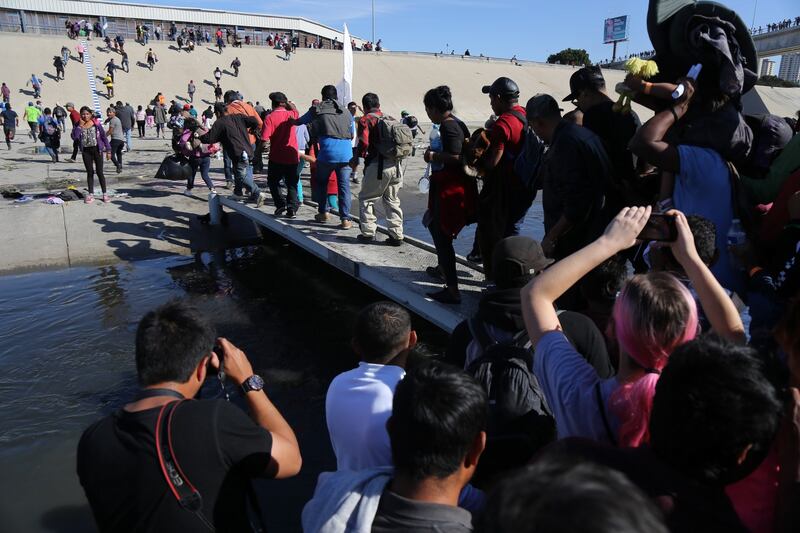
(516, 259)
(585, 78)
(503, 87)
(278, 98)
(542, 105)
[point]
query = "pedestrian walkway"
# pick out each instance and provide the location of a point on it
(396, 272)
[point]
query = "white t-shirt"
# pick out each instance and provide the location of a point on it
(569, 383)
(357, 406)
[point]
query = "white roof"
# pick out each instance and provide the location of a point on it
(191, 15)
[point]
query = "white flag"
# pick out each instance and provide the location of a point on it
(345, 87)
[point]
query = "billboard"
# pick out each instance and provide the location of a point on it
(615, 29)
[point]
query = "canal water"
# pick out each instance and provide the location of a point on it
(67, 358)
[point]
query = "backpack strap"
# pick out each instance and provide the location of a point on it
(480, 333)
(187, 495)
(602, 407)
(522, 118)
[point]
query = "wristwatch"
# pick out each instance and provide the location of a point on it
(253, 383)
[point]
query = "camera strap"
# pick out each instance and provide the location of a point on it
(187, 495)
(152, 393)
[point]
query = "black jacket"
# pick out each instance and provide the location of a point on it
(232, 132)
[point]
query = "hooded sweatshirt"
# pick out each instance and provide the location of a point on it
(345, 501)
(333, 127)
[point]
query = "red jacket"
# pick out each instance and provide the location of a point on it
(457, 197)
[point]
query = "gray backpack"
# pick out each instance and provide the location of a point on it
(395, 139)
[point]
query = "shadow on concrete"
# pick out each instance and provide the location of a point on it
(69, 519)
(142, 65)
(210, 83)
(27, 92)
(181, 98)
(51, 77)
(217, 50)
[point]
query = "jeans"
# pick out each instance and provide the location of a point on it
(53, 152)
(287, 173)
(128, 138)
(62, 125)
(343, 172)
(227, 167)
(243, 175)
(202, 163)
(300, 166)
(116, 152)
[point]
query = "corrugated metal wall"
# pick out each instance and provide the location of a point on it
(179, 15)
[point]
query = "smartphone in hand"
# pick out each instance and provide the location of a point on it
(659, 227)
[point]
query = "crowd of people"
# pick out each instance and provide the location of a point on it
(775, 26)
(638, 369)
(627, 392)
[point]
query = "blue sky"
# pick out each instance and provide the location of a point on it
(531, 29)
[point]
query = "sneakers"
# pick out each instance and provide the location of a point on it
(187, 192)
(391, 241)
(365, 239)
(445, 296)
(89, 198)
(355, 180)
(322, 218)
(346, 224)
(260, 200)
(236, 197)
(106, 199)
(279, 211)
(119, 169)
(290, 214)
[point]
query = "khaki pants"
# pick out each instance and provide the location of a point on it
(386, 189)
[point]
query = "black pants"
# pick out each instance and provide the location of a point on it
(290, 175)
(116, 152)
(140, 125)
(444, 252)
(93, 159)
(76, 145)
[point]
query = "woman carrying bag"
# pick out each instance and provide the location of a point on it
(452, 199)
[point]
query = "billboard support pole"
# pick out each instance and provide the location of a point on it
(614, 53)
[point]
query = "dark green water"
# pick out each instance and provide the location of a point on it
(66, 359)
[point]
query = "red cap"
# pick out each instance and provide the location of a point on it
(186, 107)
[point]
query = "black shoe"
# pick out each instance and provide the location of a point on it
(435, 273)
(365, 239)
(391, 241)
(444, 296)
(290, 214)
(279, 211)
(119, 169)
(475, 256)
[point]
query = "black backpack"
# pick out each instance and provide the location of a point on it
(526, 164)
(517, 405)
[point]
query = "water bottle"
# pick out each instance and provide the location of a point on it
(436, 146)
(424, 183)
(736, 238)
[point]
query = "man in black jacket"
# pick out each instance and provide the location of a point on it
(232, 132)
(574, 174)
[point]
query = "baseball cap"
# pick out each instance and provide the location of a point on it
(516, 259)
(186, 107)
(278, 98)
(403, 113)
(502, 87)
(541, 105)
(584, 78)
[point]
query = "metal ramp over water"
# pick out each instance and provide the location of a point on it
(396, 272)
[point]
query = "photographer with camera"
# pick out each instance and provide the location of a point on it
(167, 462)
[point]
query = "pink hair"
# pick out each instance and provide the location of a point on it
(654, 314)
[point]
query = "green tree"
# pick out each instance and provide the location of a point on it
(774, 81)
(570, 56)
